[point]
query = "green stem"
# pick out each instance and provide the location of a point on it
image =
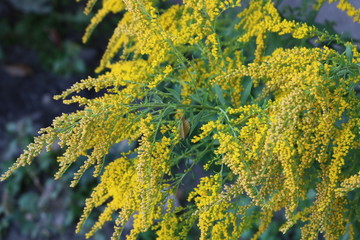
(175, 106)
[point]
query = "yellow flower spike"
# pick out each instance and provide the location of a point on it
(260, 18)
(108, 6)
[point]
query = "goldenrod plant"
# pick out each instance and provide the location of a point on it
(264, 105)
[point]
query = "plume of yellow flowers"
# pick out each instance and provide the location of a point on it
(273, 130)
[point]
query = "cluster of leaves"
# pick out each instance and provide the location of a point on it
(197, 88)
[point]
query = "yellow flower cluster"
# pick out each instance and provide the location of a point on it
(119, 182)
(189, 90)
(206, 129)
(168, 228)
(157, 34)
(212, 8)
(108, 6)
(262, 17)
(348, 184)
(214, 217)
(272, 150)
(133, 185)
(212, 41)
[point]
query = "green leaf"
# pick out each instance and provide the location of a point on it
(195, 121)
(175, 94)
(348, 53)
(168, 110)
(342, 73)
(157, 99)
(219, 94)
(196, 99)
(247, 90)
